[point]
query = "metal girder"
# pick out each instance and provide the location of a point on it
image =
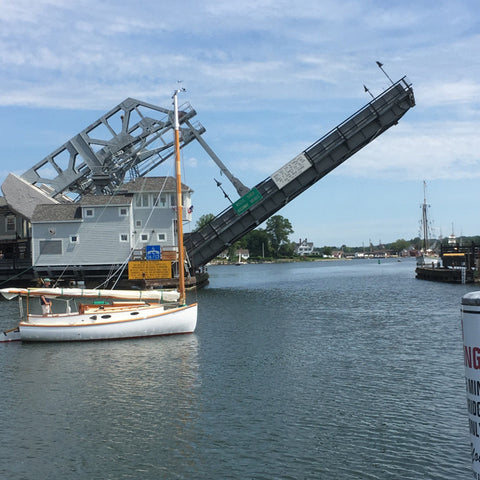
(129, 138)
(315, 162)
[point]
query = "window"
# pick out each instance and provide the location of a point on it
(161, 237)
(142, 200)
(74, 239)
(138, 223)
(89, 212)
(124, 237)
(144, 237)
(123, 211)
(10, 223)
(161, 200)
(50, 247)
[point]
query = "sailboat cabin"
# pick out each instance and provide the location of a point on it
(105, 230)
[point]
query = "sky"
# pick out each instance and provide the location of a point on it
(267, 79)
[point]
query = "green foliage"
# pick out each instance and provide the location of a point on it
(399, 245)
(278, 228)
(327, 251)
(240, 244)
(271, 242)
(258, 243)
(204, 220)
(286, 250)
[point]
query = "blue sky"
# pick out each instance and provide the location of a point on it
(267, 79)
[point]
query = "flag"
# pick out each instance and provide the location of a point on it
(190, 209)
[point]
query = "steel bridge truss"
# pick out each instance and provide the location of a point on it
(133, 138)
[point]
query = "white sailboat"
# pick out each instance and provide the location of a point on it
(110, 314)
(240, 261)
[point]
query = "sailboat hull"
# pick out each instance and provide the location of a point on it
(150, 322)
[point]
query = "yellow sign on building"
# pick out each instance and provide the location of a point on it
(149, 269)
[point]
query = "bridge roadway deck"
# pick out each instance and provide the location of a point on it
(325, 155)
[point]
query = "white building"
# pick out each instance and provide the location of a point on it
(104, 230)
(304, 247)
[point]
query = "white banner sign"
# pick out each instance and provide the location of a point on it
(471, 356)
(291, 170)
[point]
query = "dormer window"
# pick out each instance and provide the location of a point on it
(142, 200)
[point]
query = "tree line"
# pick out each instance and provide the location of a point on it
(273, 241)
(269, 242)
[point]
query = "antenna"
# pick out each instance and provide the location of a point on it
(368, 91)
(219, 185)
(380, 66)
(178, 90)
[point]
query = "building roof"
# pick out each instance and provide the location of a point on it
(95, 200)
(153, 184)
(63, 212)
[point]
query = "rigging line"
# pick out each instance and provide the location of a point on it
(121, 268)
(119, 272)
(17, 275)
(109, 276)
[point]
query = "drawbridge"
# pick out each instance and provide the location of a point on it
(270, 195)
(135, 137)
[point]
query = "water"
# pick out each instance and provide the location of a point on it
(325, 370)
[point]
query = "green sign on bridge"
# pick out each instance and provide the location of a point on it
(245, 202)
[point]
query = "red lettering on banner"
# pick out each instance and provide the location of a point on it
(468, 356)
(472, 357)
(476, 358)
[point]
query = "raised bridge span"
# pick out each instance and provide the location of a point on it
(270, 195)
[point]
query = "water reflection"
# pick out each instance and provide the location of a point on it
(99, 407)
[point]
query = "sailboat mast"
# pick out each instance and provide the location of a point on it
(424, 217)
(179, 209)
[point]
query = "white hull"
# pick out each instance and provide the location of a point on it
(142, 322)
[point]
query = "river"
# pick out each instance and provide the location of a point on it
(322, 370)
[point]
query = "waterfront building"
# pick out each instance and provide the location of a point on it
(304, 247)
(14, 236)
(103, 231)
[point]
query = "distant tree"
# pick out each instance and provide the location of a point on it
(278, 228)
(327, 251)
(287, 249)
(399, 245)
(238, 245)
(204, 220)
(417, 243)
(258, 243)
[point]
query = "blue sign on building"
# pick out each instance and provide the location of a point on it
(154, 252)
